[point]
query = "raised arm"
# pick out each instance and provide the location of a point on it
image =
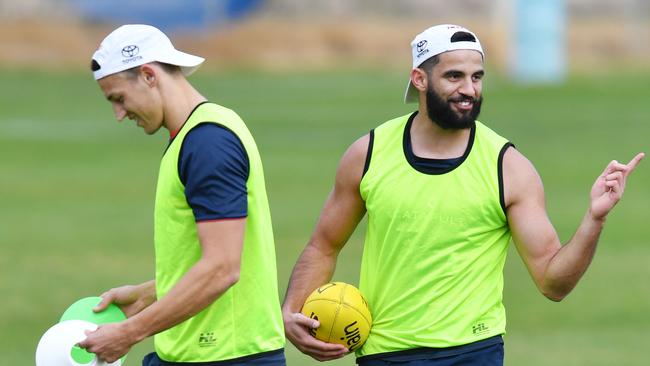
(554, 267)
(341, 214)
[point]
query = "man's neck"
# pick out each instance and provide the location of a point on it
(179, 101)
(431, 141)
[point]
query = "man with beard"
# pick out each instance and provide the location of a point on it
(444, 195)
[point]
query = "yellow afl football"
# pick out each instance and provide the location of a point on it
(343, 314)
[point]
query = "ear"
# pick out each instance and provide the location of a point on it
(419, 79)
(149, 74)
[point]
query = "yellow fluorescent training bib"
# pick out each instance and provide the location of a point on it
(246, 319)
(435, 246)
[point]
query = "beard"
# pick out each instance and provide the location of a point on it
(442, 114)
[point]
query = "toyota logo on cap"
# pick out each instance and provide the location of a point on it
(130, 51)
(420, 45)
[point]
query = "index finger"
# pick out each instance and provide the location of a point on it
(306, 321)
(84, 343)
(635, 161)
(103, 304)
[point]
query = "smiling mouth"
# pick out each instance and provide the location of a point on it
(464, 104)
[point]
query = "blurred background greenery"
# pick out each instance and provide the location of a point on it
(77, 189)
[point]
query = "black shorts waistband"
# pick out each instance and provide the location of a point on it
(427, 353)
(231, 361)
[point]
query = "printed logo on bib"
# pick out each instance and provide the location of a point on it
(207, 339)
(480, 329)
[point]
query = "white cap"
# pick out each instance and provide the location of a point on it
(436, 40)
(133, 45)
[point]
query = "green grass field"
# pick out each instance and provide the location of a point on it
(77, 189)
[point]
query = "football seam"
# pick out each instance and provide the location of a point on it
(358, 312)
(336, 314)
(348, 305)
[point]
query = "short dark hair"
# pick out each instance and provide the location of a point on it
(428, 64)
(132, 73)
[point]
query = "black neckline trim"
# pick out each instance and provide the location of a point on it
(413, 159)
(183, 125)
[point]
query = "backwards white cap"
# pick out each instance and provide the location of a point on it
(436, 40)
(133, 45)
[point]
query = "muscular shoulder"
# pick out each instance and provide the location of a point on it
(353, 161)
(358, 150)
(520, 178)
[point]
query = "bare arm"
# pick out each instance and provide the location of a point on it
(341, 214)
(215, 272)
(554, 267)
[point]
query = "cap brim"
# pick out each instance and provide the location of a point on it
(411, 94)
(188, 63)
